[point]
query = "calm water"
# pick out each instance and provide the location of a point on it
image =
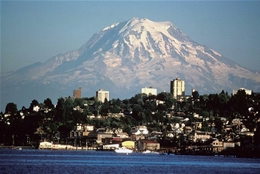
(47, 161)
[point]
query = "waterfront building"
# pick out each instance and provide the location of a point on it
(151, 145)
(102, 95)
(217, 145)
(149, 91)
(177, 88)
(231, 144)
(77, 93)
(128, 144)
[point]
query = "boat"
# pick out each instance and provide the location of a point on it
(17, 148)
(123, 150)
(150, 152)
(147, 151)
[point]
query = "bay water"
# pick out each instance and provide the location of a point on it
(59, 161)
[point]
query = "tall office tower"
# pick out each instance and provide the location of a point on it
(149, 91)
(77, 93)
(177, 88)
(102, 95)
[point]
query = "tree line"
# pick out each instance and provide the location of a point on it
(28, 125)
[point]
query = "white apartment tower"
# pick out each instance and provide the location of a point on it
(102, 95)
(149, 91)
(177, 88)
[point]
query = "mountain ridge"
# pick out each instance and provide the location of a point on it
(126, 56)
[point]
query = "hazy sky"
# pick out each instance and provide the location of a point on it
(34, 31)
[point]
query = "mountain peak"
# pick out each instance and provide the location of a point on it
(131, 22)
(144, 22)
(138, 20)
(126, 56)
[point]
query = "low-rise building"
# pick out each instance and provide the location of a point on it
(201, 136)
(230, 144)
(128, 144)
(142, 145)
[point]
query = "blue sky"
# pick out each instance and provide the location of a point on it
(34, 31)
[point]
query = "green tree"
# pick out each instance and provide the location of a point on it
(223, 101)
(115, 106)
(15, 129)
(150, 105)
(138, 99)
(11, 108)
(105, 108)
(167, 98)
(239, 102)
(31, 123)
(48, 103)
(213, 104)
(79, 102)
(195, 95)
(66, 110)
(59, 110)
(137, 109)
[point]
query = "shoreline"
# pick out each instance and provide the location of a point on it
(235, 153)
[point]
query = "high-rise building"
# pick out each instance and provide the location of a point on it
(102, 95)
(177, 88)
(77, 93)
(149, 91)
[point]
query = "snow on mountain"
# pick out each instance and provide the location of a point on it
(126, 56)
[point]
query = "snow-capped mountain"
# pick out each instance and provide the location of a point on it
(123, 58)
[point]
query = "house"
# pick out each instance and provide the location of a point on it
(139, 130)
(228, 128)
(122, 135)
(36, 108)
(217, 145)
(188, 130)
